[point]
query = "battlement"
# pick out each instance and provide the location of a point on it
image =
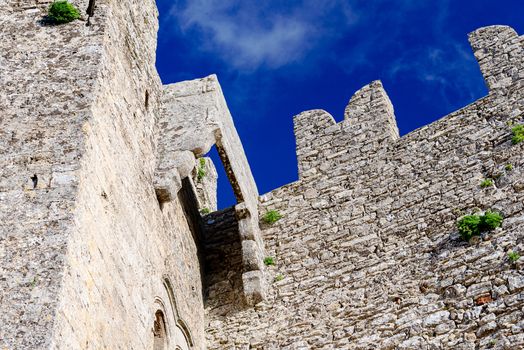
(104, 243)
(367, 251)
(369, 126)
(499, 52)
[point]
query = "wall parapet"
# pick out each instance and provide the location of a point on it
(369, 125)
(499, 51)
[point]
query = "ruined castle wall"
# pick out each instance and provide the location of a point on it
(47, 78)
(88, 256)
(367, 248)
(125, 244)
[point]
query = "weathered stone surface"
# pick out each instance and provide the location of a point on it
(254, 286)
(45, 100)
(102, 229)
(194, 118)
(87, 257)
(500, 54)
(205, 184)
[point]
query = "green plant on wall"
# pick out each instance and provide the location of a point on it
(474, 225)
(33, 283)
(205, 211)
(63, 12)
(518, 134)
(509, 167)
(486, 183)
(469, 226)
(279, 277)
(490, 221)
(269, 261)
(201, 170)
(513, 256)
(272, 216)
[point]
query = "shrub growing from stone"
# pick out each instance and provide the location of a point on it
(518, 134)
(513, 256)
(269, 261)
(63, 12)
(486, 183)
(272, 216)
(490, 221)
(469, 226)
(474, 225)
(201, 171)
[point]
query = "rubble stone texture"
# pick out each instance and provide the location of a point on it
(102, 240)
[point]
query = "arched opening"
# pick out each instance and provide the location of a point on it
(159, 332)
(181, 333)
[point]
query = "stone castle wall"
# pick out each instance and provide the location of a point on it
(125, 244)
(368, 247)
(40, 147)
(100, 228)
(88, 254)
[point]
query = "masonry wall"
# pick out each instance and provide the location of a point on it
(368, 250)
(126, 245)
(88, 255)
(44, 101)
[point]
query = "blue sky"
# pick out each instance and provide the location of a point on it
(275, 59)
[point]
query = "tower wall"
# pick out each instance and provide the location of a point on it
(89, 255)
(48, 74)
(130, 255)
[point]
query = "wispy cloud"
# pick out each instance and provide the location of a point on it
(448, 69)
(359, 40)
(250, 34)
(445, 62)
(439, 60)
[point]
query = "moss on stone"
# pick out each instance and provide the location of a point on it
(272, 216)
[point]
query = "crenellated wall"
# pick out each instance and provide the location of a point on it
(369, 126)
(367, 252)
(498, 49)
(103, 243)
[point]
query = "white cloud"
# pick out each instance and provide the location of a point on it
(263, 33)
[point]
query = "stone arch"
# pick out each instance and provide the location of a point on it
(182, 329)
(169, 331)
